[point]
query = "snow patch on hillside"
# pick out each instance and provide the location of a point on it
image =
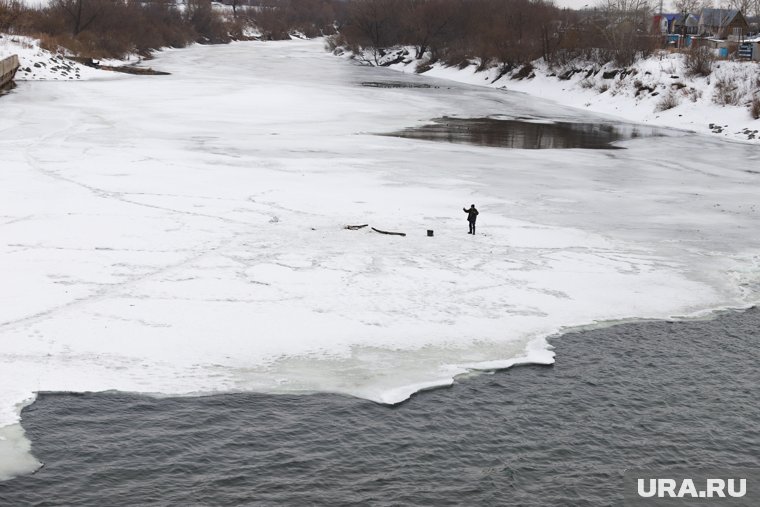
(38, 64)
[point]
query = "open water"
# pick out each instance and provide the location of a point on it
(528, 134)
(638, 395)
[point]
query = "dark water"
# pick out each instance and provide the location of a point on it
(657, 394)
(395, 84)
(521, 134)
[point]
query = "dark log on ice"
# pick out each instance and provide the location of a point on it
(126, 69)
(140, 71)
(355, 227)
(391, 233)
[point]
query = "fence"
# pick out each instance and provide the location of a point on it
(8, 67)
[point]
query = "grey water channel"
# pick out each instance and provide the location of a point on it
(641, 395)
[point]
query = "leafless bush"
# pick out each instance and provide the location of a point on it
(106, 28)
(693, 94)
(422, 66)
(491, 32)
(333, 42)
(277, 19)
(208, 25)
(10, 12)
(455, 57)
(668, 101)
(526, 71)
(754, 107)
(504, 33)
(726, 92)
(699, 61)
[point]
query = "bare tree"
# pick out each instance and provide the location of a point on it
(374, 24)
(688, 6)
(699, 61)
(235, 4)
(210, 28)
(10, 12)
(623, 24)
(80, 13)
(426, 21)
(745, 6)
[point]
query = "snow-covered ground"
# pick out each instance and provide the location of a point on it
(184, 234)
(635, 93)
(38, 64)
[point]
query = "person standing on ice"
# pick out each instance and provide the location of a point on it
(472, 215)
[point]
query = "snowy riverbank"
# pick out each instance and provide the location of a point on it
(717, 104)
(637, 93)
(39, 64)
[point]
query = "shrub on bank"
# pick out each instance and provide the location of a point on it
(754, 107)
(668, 101)
(699, 61)
(103, 28)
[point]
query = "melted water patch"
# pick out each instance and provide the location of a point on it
(521, 133)
(395, 84)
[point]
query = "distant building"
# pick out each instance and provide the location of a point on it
(723, 24)
(681, 24)
(660, 24)
(726, 31)
(685, 24)
(678, 29)
(752, 46)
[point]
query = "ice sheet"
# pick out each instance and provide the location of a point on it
(184, 234)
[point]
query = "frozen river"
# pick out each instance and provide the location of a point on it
(185, 234)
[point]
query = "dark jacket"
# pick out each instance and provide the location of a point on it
(472, 214)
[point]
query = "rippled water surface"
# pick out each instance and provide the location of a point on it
(654, 394)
